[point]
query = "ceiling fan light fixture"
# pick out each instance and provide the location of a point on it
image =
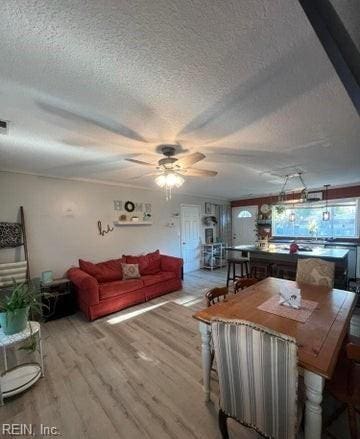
(169, 180)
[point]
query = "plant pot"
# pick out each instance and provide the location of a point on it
(14, 321)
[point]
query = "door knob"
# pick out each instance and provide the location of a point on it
(184, 243)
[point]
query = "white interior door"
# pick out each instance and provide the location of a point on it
(190, 237)
(244, 225)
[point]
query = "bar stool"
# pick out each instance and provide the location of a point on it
(232, 263)
(261, 270)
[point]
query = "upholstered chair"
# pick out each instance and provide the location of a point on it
(258, 378)
(316, 272)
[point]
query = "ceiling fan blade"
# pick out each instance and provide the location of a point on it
(189, 160)
(147, 174)
(198, 172)
(140, 162)
(86, 119)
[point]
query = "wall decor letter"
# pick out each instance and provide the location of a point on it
(129, 206)
(118, 205)
(102, 231)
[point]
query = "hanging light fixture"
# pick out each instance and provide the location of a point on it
(169, 180)
(326, 213)
(292, 215)
(282, 193)
(304, 192)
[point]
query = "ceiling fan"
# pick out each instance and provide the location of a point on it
(169, 171)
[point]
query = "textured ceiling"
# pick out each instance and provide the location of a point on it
(87, 83)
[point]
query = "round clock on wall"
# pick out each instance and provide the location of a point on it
(265, 209)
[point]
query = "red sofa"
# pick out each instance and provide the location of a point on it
(101, 290)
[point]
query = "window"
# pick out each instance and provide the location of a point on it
(308, 222)
(244, 214)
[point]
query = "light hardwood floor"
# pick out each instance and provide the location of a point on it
(134, 374)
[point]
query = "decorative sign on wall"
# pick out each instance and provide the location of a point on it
(102, 231)
(131, 206)
(133, 212)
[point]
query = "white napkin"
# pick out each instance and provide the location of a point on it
(290, 296)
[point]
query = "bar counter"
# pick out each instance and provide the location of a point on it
(277, 260)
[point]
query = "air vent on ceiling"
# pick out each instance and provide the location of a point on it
(4, 126)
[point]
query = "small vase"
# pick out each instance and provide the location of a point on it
(13, 322)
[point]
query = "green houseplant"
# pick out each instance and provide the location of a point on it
(15, 305)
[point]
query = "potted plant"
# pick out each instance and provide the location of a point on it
(16, 304)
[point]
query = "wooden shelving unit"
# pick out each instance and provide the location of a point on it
(213, 256)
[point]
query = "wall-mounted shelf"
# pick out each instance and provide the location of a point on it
(262, 222)
(132, 223)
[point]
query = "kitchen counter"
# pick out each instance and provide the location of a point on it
(278, 262)
(316, 252)
(314, 242)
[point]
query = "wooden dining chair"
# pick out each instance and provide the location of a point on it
(216, 295)
(316, 272)
(258, 378)
(345, 386)
(246, 282)
(213, 296)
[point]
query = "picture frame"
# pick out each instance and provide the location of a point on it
(209, 236)
(208, 208)
(47, 277)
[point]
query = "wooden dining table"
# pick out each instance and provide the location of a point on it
(319, 339)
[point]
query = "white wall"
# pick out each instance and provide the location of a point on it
(57, 240)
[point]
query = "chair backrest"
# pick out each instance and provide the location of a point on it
(258, 376)
(245, 282)
(316, 272)
(216, 295)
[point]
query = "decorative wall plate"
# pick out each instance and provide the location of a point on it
(265, 209)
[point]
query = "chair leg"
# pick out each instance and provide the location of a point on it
(234, 271)
(223, 424)
(352, 421)
(228, 274)
(246, 269)
(212, 356)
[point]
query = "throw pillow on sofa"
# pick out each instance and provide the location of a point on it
(107, 271)
(130, 271)
(148, 264)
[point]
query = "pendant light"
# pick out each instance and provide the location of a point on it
(303, 198)
(292, 215)
(326, 213)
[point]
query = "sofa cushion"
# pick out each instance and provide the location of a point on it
(130, 271)
(107, 271)
(117, 288)
(151, 279)
(153, 263)
(148, 264)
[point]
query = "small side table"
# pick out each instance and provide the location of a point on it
(62, 302)
(23, 376)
